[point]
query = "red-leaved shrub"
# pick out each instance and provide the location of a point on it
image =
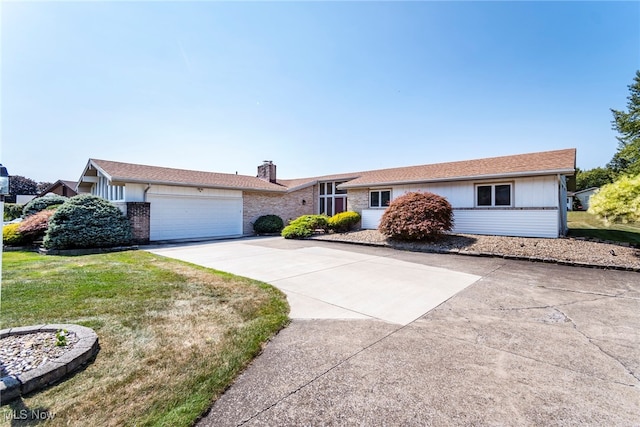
(33, 227)
(417, 216)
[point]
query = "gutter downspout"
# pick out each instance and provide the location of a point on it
(144, 195)
(562, 206)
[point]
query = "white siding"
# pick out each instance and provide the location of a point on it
(536, 192)
(191, 191)
(371, 218)
(507, 222)
(585, 197)
(134, 192)
(459, 194)
(534, 213)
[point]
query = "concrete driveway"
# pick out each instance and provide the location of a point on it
(331, 282)
(513, 343)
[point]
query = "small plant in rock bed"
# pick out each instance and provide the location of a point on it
(61, 338)
(305, 226)
(343, 221)
(417, 216)
(268, 224)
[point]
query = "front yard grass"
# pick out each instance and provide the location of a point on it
(172, 335)
(583, 224)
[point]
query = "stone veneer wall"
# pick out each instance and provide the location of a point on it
(287, 206)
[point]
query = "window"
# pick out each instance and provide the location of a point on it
(493, 195)
(379, 198)
(331, 199)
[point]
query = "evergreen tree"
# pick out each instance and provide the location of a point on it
(627, 124)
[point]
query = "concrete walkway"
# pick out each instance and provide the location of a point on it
(520, 344)
(331, 282)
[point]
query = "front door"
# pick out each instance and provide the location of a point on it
(331, 199)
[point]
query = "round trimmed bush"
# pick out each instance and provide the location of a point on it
(11, 236)
(41, 203)
(296, 231)
(34, 226)
(343, 221)
(304, 226)
(268, 224)
(87, 221)
(417, 216)
(12, 211)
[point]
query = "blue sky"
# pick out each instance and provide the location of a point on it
(317, 87)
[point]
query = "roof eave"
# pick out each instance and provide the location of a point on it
(301, 186)
(347, 186)
(123, 180)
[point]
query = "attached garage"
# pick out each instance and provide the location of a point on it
(177, 214)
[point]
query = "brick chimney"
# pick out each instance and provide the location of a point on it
(267, 171)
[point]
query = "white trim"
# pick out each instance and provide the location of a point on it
(493, 186)
(380, 191)
(461, 178)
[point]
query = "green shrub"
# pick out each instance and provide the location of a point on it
(618, 201)
(34, 226)
(41, 203)
(12, 211)
(417, 216)
(343, 221)
(87, 221)
(304, 226)
(268, 224)
(11, 236)
(296, 231)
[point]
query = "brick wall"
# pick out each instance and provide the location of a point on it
(357, 200)
(286, 206)
(139, 214)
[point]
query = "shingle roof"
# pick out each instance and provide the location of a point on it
(71, 184)
(129, 172)
(558, 161)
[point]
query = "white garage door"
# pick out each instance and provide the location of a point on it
(184, 217)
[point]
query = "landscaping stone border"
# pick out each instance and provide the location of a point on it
(54, 370)
(487, 255)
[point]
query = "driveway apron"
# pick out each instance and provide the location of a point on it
(331, 283)
(383, 338)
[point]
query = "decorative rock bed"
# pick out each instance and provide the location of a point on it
(31, 360)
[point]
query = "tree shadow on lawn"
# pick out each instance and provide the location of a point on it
(608, 235)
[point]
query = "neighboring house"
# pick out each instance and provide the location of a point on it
(520, 195)
(584, 196)
(61, 188)
(23, 199)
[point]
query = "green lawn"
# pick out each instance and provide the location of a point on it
(583, 224)
(172, 335)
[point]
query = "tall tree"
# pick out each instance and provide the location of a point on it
(627, 124)
(21, 185)
(43, 186)
(596, 177)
